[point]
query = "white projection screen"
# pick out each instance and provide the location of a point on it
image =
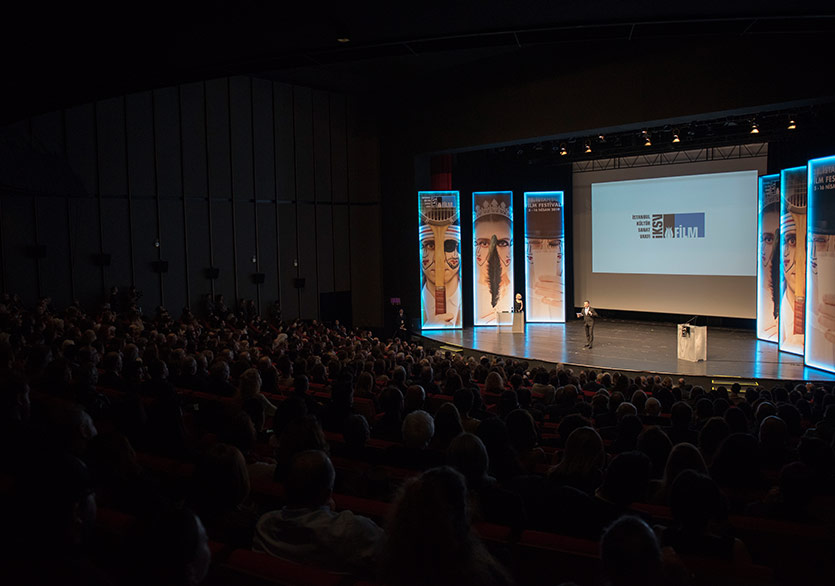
(674, 238)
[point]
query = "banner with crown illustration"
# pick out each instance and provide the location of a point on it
(544, 257)
(820, 268)
(770, 263)
(793, 252)
(492, 255)
(439, 235)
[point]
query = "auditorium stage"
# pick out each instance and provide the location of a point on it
(639, 347)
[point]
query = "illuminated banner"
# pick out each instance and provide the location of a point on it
(439, 230)
(493, 255)
(768, 269)
(544, 262)
(820, 268)
(793, 252)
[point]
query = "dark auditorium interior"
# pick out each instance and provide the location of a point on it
(207, 227)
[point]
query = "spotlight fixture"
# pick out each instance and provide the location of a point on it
(792, 124)
(675, 136)
(601, 137)
(587, 148)
(563, 150)
(755, 129)
(647, 141)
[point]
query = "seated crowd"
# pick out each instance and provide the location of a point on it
(235, 432)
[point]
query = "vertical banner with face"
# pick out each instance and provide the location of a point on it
(439, 230)
(793, 252)
(493, 255)
(544, 249)
(768, 269)
(820, 267)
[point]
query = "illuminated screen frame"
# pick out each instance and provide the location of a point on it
(499, 206)
(787, 312)
(813, 332)
(764, 322)
(429, 225)
(534, 313)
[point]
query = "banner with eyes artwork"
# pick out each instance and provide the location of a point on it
(820, 268)
(544, 257)
(492, 256)
(793, 256)
(768, 268)
(439, 235)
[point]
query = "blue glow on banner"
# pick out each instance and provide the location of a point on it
(793, 195)
(492, 256)
(819, 349)
(768, 253)
(545, 257)
(439, 237)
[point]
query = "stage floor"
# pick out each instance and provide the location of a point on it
(636, 346)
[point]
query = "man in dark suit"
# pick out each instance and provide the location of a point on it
(588, 314)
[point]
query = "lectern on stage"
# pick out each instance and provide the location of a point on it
(692, 342)
(515, 320)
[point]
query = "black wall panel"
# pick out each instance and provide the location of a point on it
(246, 248)
(173, 249)
(240, 129)
(81, 145)
(223, 245)
(303, 133)
(285, 155)
(341, 248)
(267, 253)
(167, 143)
(322, 147)
(217, 125)
(53, 233)
(110, 143)
(139, 122)
(116, 242)
(288, 259)
(84, 243)
(199, 251)
(144, 216)
(18, 225)
(263, 143)
(309, 305)
(338, 148)
(325, 248)
(193, 121)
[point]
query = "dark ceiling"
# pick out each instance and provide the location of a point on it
(56, 58)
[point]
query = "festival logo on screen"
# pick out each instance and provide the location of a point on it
(819, 348)
(670, 226)
(439, 233)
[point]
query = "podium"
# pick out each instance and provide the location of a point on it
(692, 342)
(515, 320)
(518, 322)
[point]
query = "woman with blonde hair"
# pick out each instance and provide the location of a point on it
(249, 387)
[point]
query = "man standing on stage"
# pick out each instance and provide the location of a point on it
(588, 314)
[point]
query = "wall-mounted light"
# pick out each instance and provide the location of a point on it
(254, 259)
(563, 150)
(647, 141)
(675, 136)
(587, 148)
(755, 128)
(156, 243)
(792, 124)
